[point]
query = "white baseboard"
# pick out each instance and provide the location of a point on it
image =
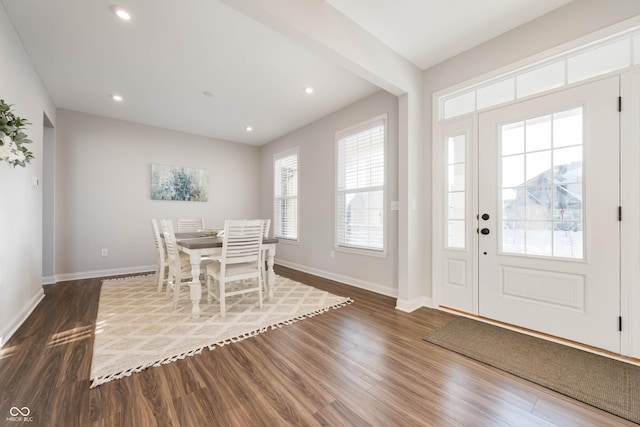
(413, 304)
(20, 318)
(352, 281)
(104, 273)
(48, 280)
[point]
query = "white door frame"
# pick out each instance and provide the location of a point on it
(629, 199)
(461, 258)
(575, 298)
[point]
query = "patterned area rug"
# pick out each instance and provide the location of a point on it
(137, 328)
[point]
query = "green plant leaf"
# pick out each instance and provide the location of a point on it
(11, 128)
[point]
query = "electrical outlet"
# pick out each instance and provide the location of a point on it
(104, 252)
(333, 254)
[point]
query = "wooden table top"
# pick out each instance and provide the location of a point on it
(198, 240)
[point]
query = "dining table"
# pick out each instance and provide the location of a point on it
(199, 244)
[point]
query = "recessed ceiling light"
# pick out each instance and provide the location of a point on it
(117, 98)
(121, 12)
(249, 129)
(308, 90)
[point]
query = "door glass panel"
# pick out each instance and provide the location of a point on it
(456, 194)
(567, 128)
(511, 208)
(456, 177)
(539, 239)
(456, 205)
(513, 138)
(513, 237)
(457, 147)
(567, 220)
(512, 171)
(538, 204)
(542, 188)
(568, 163)
(539, 133)
(456, 234)
(538, 168)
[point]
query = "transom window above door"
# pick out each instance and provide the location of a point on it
(610, 54)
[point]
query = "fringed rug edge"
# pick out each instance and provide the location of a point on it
(95, 382)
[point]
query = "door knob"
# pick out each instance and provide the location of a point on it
(485, 231)
(485, 216)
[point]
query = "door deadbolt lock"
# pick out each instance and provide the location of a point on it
(485, 216)
(485, 231)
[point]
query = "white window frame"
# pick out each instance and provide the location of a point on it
(277, 226)
(338, 246)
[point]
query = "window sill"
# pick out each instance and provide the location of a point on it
(366, 252)
(288, 241)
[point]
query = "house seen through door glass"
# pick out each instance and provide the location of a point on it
(542, 183)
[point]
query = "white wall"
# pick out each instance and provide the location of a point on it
(330, 34)
(20, 202)
(576, 19)
(103, 169)
(317, 198)
(48, 203)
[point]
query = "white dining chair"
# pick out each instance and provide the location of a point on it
(189, 225)
(240, 260)
(161, 256)
(266, 224)
(178, 262)
(162, 262)
(175, 268)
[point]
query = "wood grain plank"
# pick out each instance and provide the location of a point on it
(362, 365)
(563, 411)
(271, 366)
(339, 414)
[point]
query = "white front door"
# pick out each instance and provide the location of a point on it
(549, 242)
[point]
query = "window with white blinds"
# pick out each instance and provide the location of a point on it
(285, 191)
(360, 186)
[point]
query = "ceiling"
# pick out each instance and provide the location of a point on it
(427, 32)
(170, 53)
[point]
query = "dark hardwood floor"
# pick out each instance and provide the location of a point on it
(362, 365)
